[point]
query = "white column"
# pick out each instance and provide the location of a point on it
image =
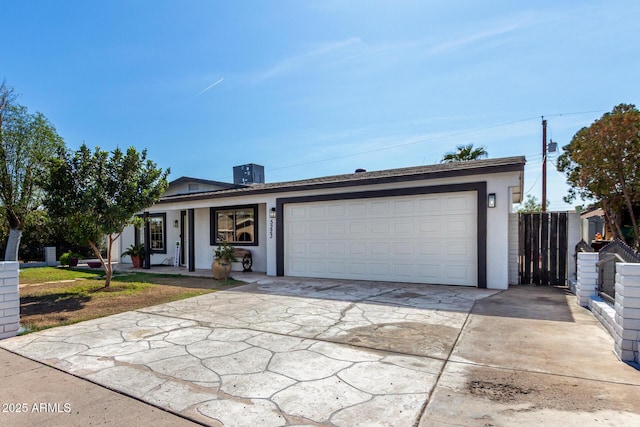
(587, 280)
(627, 328)
(50, 255)
(9, 299)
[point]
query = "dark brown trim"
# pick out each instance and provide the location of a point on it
(191, 264)
(292, 186)
(147, 241)
(183, 220)
(213, 228)
(479, 187)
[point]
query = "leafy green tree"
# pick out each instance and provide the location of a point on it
(27, 142)
(97, 194)
(602, 164)
(532, 205)
(464, 153)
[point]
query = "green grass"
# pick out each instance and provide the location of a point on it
(92, 289)
(54, 274)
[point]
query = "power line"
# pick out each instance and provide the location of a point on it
(449, 135)
(420, 141)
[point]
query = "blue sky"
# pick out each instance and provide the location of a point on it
(315, 88)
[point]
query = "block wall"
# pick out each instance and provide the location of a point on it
(9, 300)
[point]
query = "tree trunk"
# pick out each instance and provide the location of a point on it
(634, 221)
(13, 245)
(612, 218)
(106, 265)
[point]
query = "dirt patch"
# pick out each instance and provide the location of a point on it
(498, 392)
(540, 391)
(418, 339)
(53, 304)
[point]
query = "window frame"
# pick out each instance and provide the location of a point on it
(213, 215)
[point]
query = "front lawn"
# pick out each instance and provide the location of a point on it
(54, 274)
(54, 297)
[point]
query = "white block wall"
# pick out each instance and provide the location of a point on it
(627, 306)
(587, 282)
(9, 299)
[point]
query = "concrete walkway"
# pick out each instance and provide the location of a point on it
(321, 352)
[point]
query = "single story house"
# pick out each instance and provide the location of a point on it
(437, 224)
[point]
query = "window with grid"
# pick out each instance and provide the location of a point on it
(157, 230)
(236, 225)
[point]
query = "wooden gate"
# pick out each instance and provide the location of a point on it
(543, 248)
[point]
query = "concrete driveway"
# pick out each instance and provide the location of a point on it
(326, 352)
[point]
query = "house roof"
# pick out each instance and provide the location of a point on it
(187, 179)
(443, 170)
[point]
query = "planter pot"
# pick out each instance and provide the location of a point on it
(221, 269)
(137, 261)
(73, 262)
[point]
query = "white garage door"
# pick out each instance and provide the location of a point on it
(429, 238)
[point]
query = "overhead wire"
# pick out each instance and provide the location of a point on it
(532, 160)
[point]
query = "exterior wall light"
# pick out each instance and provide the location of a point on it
(491, 200)
(175, 223)
(272, 213)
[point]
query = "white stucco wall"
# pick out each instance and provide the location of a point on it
(264, 255)
(498, 229)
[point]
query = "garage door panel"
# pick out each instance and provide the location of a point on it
(356, 209)
(357, 269)
(335, 210)
(379, 269)
(357, 248)
(357, 230)
(336, 248)
(297, 212)
(336, 229)
(337, 267)
(422, 239)
(379, 249)
(429, 204)
(456, 249)
(404, 228)
(404, 207)
(379, 208)
(316, 249)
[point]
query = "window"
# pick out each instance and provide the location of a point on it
(237, 225)
(157, 232)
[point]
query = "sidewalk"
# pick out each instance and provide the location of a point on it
(50, 397)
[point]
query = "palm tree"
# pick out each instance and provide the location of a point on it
(464, 153)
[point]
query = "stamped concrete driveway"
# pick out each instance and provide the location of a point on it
(272, 353)
(320, 352)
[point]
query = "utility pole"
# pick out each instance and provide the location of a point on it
(544, 165)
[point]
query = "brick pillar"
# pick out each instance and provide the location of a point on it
(9, 299)
(627, 328)
(587, 280)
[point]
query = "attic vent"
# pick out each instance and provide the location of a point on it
(359, 170)
(194, 187)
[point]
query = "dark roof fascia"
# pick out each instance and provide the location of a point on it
(516, 166)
